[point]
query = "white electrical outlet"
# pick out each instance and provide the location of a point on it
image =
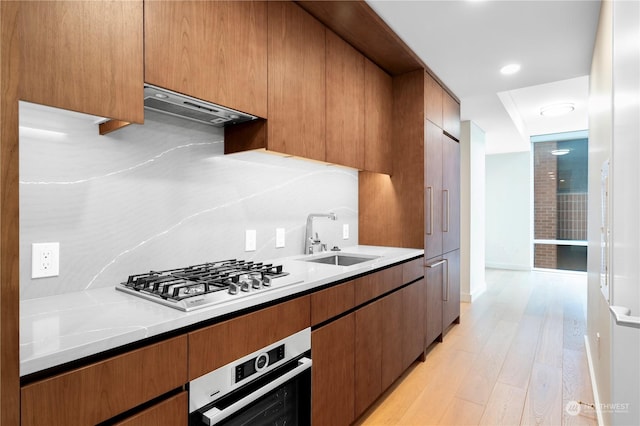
(250, 240)
(45, 260)
(345, 231)
(279, 237)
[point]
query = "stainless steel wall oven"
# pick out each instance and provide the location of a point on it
(271, 386)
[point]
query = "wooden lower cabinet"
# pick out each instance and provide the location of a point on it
(451, 297)
(393, 348)
(413, 307)
(245, 334)
(434, 275)
(332, 374)
(443, 294)
(331, 302)
(172, 412)
(368, 355)
(389, 337)
(100, 391)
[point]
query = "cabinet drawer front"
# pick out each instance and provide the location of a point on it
(373, 285)
(172, 412)
(412, 270)
(331, 302)
(95, 393)
(220, 344)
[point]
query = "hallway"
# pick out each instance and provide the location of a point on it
(517, 357)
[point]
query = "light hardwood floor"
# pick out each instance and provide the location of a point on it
(516, 358)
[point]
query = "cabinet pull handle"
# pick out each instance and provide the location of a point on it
(436, 264)
(430, 221)
(445, 290)
(445, 204)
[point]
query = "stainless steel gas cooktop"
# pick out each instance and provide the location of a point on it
(207, 284)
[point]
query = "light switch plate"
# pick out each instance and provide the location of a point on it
(250, 240)
(279, 237)
(45, 260)
(345, 231)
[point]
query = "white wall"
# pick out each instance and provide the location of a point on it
(508, 211)
(472, 209)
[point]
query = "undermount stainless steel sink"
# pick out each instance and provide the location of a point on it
(342, 259)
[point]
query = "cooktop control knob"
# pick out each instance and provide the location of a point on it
(245, 286)
(256, 283)
(266, 281)
(233, 288)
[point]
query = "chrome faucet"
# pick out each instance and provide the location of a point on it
(309, 241)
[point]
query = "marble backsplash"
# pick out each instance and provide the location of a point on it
(161, 195)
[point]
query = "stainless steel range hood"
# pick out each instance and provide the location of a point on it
(179, 105)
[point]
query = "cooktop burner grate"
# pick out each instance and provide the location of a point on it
(189, 287)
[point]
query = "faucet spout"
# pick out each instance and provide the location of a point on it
(309, 241)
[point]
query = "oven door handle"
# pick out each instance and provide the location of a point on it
(215, 415)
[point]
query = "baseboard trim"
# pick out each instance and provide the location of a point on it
(508, 266)
(594, 387)
(470, 297)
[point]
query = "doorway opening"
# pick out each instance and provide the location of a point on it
(560, 178)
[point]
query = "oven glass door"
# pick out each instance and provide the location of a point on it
(281, 397)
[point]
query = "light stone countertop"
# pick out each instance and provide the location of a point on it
(59, 329)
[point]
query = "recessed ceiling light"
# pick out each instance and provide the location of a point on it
(510, 69)
(560, 151)
(161, 96)
(556, 110)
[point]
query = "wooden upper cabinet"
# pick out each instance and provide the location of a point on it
(451, 116)
(433, 95)
(212, 50)
(84, 56)
(296, 69)
(345, 103)
(378, 110)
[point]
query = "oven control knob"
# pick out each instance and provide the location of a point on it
(233, 288)
(262, 361)
(244, 286)
(256, 283)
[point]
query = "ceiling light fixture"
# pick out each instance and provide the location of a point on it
(556, 109)
(510, 69)
(560, 151)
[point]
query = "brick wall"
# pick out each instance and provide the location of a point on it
(545, 204)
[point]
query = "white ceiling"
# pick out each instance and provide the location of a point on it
(467, 42)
